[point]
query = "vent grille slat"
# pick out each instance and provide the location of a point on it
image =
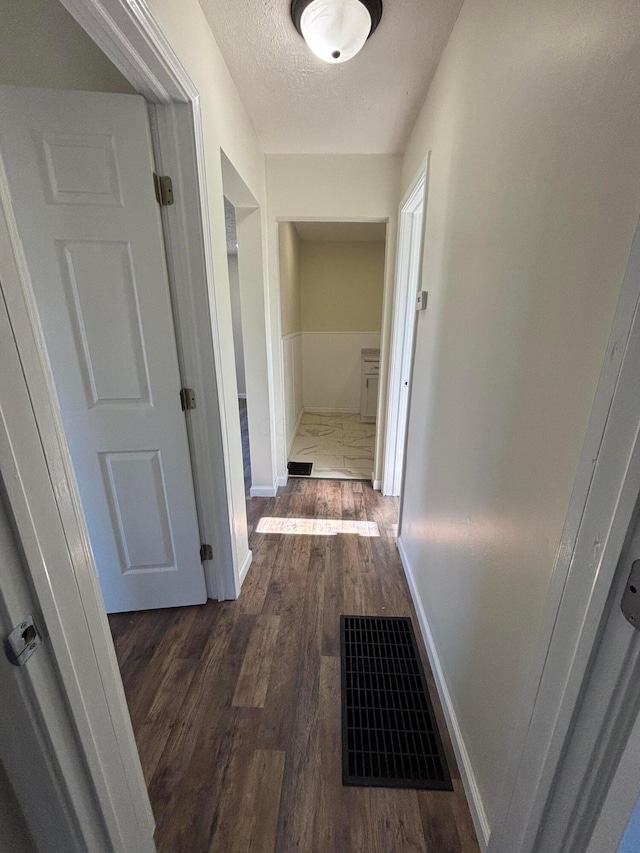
(389, 734)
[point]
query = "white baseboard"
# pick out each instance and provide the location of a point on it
(268, 491)
(377, 485)
(319, 410)
(244, 568)
(263, 491)
(462, 756)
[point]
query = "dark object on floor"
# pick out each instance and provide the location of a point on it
(389, 734)
(299, 469)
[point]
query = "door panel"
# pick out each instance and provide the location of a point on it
(79, 169)
(102, 302)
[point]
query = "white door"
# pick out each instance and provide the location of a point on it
(79, 170)
(408, 274)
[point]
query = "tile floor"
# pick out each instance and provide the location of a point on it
(340, 446)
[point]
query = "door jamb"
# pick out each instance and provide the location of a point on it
(173, 144)
(600, 510)
(409, 257)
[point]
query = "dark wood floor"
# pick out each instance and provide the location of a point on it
(236, 705)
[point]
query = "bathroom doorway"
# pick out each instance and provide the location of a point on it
(331, 295)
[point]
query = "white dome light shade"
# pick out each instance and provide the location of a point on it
(335, 30)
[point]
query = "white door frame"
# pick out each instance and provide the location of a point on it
(253, 305)
(129, 35)
(409, 262)
(72, 694)
(605, 492)
(283, 448)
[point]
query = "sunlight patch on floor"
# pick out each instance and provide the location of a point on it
(316, 526)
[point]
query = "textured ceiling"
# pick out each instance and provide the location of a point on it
(299, 104)
(341, 231)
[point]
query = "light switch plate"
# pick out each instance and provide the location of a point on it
(421, 301)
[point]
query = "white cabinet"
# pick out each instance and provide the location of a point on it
(369, 385)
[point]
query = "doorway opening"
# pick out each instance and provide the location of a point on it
(331, 296)
(246, 283)
(408, 278)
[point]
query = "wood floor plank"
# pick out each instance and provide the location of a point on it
(236, 705)
(439, 822)
(330, 820)
(253, 830)
(253, 681)
(152, 735)
(396, 822)
(206, 703)
(292, 558)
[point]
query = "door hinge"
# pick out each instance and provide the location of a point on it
(164, 189)
(187, 399)
(206, 553)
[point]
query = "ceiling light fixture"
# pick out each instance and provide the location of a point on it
(336, 30)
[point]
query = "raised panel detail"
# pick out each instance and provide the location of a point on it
(81, 169)
(103, 304)
(137, 498)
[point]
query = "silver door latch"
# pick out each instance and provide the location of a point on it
(22, 642)
(630, 603)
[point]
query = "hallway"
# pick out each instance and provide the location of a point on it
(236, 705)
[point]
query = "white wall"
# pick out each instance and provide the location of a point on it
(42, 45)
(330, 187)
(533, 123)
(236, 319)
(292, 371)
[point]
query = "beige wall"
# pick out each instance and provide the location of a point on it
(41, 45)
(290, 308)
(342, 285)
(534, 128)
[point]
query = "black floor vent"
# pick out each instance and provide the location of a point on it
(299, 469)
(389, 733)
